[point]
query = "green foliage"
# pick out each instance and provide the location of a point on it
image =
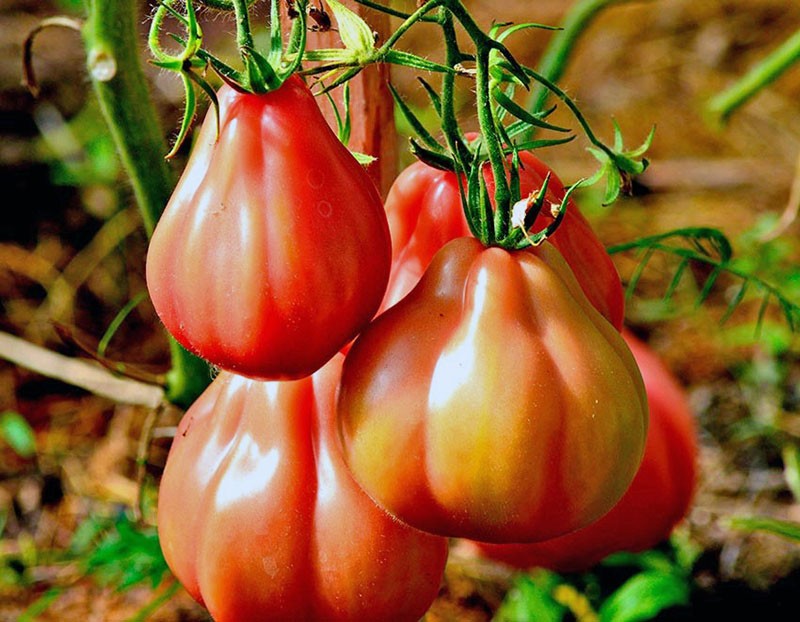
(531, 598)
(710, 247)
(119, 553)
(17, 433)
(626, 587)
(113, 552)
(786, 529)
(643, 596)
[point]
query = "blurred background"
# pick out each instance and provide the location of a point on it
(72, 254)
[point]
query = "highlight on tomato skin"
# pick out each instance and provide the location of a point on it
(493, 402)
(424, 211)
(259, 518)
(659, 496)
(274, 249)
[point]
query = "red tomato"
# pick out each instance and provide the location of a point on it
(274, 249)
(658, 498)
(424, 212)
(259, 518)
(493, 402)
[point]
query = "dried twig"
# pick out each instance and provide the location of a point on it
(79, 373)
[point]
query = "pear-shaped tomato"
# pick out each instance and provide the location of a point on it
(658, 498)
(493, 402)
(259, 518)
(273, 251)
(424, 212)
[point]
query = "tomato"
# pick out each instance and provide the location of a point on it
(274, 250)
(259, 518)
(424, 212)
(659, 496)
(493, 402)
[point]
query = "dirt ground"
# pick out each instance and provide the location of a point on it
(72, 254)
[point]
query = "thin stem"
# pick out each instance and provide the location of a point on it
(450, 129)
(391, 11)
(244, 36)
(412, 19)
(502, 193)
(110, 37)
(765, 72)
(575, 111)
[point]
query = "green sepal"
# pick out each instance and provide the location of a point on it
(261, 76)
(432, 158)
(355, 33)
(188, 115)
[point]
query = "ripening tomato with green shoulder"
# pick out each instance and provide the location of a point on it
(658, 498)
(424, 211)
(259, 518)
(274, 250)
(493, 402)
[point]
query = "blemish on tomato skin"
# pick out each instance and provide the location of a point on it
(325, 209)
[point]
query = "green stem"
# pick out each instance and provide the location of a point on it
(244, 36)
(110, 37)
(558, 52)
(765, 72)
(391, 11)
(486, 120)
(576, 112)
(416, 16)
(450, 129)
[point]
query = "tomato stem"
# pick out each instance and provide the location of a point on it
(110, 38)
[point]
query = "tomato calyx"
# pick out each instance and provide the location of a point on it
(261, 73)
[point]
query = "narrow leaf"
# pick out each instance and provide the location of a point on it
(433, 95)
(643, 596)
(785, 529)
(414, 122)
(432, 158)
(734, 303)
(406, 59)
(521, 113)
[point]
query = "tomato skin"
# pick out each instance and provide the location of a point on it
(274, 250)
(493, 402)
(424, 212)
(259, 518)
(658, 498)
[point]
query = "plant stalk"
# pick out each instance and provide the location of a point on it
(110, 37)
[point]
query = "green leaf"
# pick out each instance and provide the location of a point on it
(518, 111)
(643, 596)
(406, 59)
(530, 599)
(432, 158)
(414, 122)
(354, 32)
(785, 529)
(17, 433)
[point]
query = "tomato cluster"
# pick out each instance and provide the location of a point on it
(492, 398)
